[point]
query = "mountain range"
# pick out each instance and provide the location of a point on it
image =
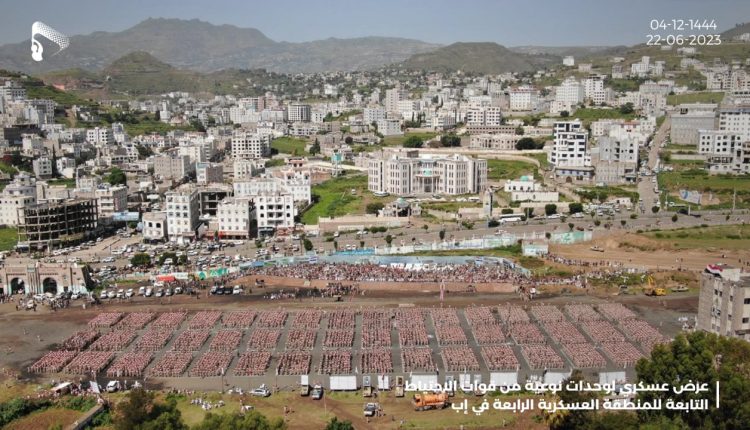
(205, 47)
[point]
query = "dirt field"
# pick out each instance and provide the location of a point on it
(32, 334)
(634, 250)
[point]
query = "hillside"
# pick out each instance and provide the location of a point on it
(485, 58)
(202, 46)
(140, 73)
(736, 31)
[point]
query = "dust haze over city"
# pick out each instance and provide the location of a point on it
(375, 215)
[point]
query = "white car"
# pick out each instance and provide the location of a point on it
(111, 294)
(149, 292)
(129, 293)
(113, 386)
(103, 294)
(142, 291)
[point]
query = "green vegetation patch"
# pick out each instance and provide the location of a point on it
(289, 145)
(508, 169)
(731, 237)
(334, 198)
(8, 238)
(701, 97)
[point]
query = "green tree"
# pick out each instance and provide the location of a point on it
(141, 260)
(575, 208)
(165, 256)
(674, 218)
(564, 114)
(252, 420)
(413, 141)
(388, 239)
(308, 245)
(117, 177)
(450, 140)
(139, 411)
(374, 207)
(441, 234)
(315, 147)
(623, 222)
(654, 209)
(335, 424)
(525, 143)
(574, 419)
(550, 209)
(519, 130)
(570, 226)
(627, 108)
(348, 140)
(144, 151)
(702, 358)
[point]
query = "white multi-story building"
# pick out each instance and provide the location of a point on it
(392, 97)
(235, 216)
(42, 167)
(616, 160)
(246, 169)
(570, 148)
(155, 226)
(687, 119)
(18, 194)
(569, 61)
(570, 92)
(11, 91)
(299, 112)
(111, 199)
(176, 168)
(498, 142)
(274, 211)
(487, 116)
(523, 98)
(100, 136)
(370, 115)
(641, 68)
(594, 90)
(735, 119)
(249, 146)
(726, 152)
(206, 173)
(389, 127)
(724, 301)
(406, 173)
(183, 211)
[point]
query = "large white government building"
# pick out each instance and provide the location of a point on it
(406, 173)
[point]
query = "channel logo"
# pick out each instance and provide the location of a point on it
(40, 28)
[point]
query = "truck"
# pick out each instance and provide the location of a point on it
(399, 391)
(366, 386)
(425, 401)
(304, 385)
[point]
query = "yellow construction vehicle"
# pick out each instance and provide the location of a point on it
(652, 290)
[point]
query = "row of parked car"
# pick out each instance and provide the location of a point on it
(219, 290)
(158, 290)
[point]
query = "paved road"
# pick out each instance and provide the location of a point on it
(645, 184)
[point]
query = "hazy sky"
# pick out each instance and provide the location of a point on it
(508, 22)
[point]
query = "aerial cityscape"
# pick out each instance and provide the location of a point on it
(363, 224)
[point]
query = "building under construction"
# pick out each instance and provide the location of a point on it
(56, 224)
